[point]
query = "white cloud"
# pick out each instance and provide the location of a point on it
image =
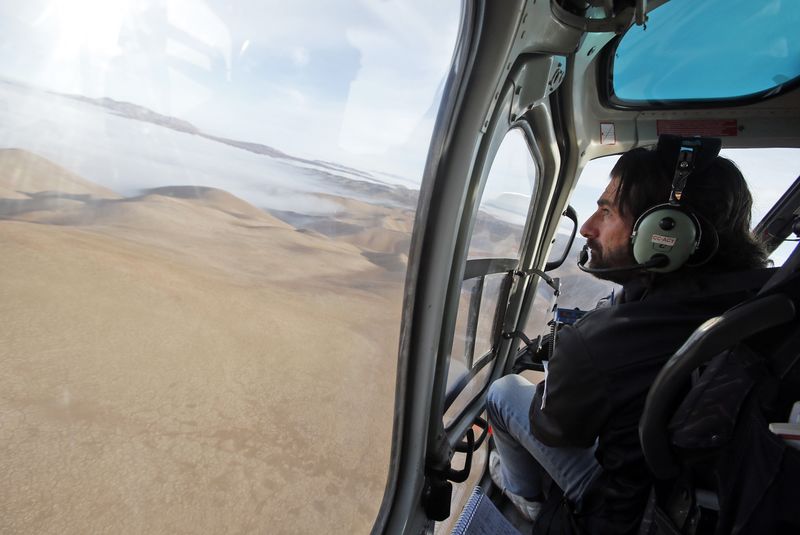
(300, 56)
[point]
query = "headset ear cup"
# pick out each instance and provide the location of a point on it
(666, 230)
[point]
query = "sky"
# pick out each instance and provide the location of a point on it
(356, 82)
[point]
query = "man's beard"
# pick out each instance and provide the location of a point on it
(619, 257)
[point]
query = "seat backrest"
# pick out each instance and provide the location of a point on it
(748, 354)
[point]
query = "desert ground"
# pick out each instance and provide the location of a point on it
(183, 362)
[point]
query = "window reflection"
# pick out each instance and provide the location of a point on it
(505, 201)
(205, 232)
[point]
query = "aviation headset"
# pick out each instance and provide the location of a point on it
(666, 236)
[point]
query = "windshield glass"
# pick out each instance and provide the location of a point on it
(205, 216)
(715, 49)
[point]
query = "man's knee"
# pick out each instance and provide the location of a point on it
(497, 390)
(507, 387)
(501, 393)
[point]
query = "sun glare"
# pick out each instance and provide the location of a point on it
(87, 26)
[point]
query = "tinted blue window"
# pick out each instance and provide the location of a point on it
(713, 49)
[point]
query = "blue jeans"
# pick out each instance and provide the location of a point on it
(523, 456)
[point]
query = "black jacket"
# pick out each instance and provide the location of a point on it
(601, 370)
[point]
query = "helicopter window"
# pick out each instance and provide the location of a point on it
(497, 235)
(473, 337)
(769, 173)
(205, 217)
(712, 50)
(505, 200)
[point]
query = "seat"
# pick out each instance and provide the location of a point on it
(705, 427)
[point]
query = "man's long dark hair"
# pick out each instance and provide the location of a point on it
(717, 194)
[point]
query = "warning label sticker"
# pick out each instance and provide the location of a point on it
(699, 127)
(663, 240)
(608, 135)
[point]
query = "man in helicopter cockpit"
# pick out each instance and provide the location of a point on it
(673, 228)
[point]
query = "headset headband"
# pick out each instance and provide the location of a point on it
(685, 155)
(683, 168)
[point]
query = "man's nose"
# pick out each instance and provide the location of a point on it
(588, 229)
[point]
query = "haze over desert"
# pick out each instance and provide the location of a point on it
(182, 361)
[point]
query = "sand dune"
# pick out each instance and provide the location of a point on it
(22, 173)
(182, 361)
(381, 233)
(203, 227)
(219, 200)
(152, 210)
(381, 240)
(394, 263)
